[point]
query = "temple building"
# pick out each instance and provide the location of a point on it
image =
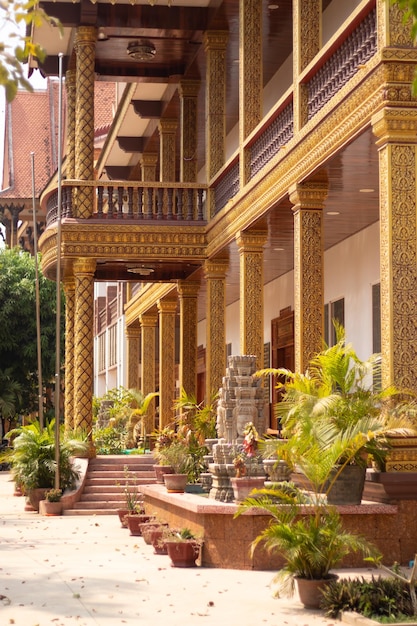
(258, 180)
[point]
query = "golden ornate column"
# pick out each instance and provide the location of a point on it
(188, 91)
(148, 322)
(188, 292)
(85, 46)
(251, 256)
(308, 199)
(132, 333)
(396, 130)
(148, 164)
(70, 80)
(84, 269)
(215, 272)
(167, 308)
(69, 289)
(306, 44)
(215, 48)
(250, 75)
(167, 161)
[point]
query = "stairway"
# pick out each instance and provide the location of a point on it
(105, 481)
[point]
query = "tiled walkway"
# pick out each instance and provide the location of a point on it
(88, 571)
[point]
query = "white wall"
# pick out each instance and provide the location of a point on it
(334, 16)
(350, 270)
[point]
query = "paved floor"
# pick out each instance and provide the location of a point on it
(88, 571)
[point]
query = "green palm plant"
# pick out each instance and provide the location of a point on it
(304, 529)
(341, 393)
(33, 460)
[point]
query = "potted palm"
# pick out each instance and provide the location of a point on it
(304, 528)
(340, 394)
(33, 459)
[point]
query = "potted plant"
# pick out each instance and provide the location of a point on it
(304, 528)
(178, 457)
(52, 504)
(133, 498)
(245, 463)
(33, 459)
(183, 547)
(163, 439)
(340, 394)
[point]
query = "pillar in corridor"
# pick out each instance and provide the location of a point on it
(167, 138)
(84, 269)
(250, 76)
(133, 349)
(306, 44)
(69, 290)
(167, 308)
(396, 132)
(308, 200)
(251, 256)
(188, 292)
(148, 322)
(215, 47)
(70, 82)
(148, 164)
(188, 92)
(215, 273)
(85, 46)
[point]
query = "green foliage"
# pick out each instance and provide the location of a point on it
(32, 456)
(110, 439)
(18, 347)
(340, 396)
(304, 529)
(133, 497)
(377, 598)
(53, 495)
(17, 47)
(177, 455)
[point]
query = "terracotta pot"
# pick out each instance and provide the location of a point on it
(50, 508)
(122, 516)
(134, 522)
(36, 495)
(159, 546)
(160, 471)
(183, 553)
(242, 487)
(146, 529)
(309, 590)
(175, 483)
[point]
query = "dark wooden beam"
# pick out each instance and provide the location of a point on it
(148, 109)
(131, 144)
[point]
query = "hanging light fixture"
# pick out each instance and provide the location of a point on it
(141, 50)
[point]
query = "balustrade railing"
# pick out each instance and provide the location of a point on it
(354, 52)
(134, 201)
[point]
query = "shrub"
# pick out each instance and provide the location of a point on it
(376, 598)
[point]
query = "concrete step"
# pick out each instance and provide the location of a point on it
(106, 480)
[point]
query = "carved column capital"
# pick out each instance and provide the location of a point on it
(84, 266)
(395, 125)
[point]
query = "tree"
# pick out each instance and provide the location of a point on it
(18, 347)
(9, 397)
(16, 47)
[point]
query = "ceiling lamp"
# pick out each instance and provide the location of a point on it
(142, 270)
(141, 51)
